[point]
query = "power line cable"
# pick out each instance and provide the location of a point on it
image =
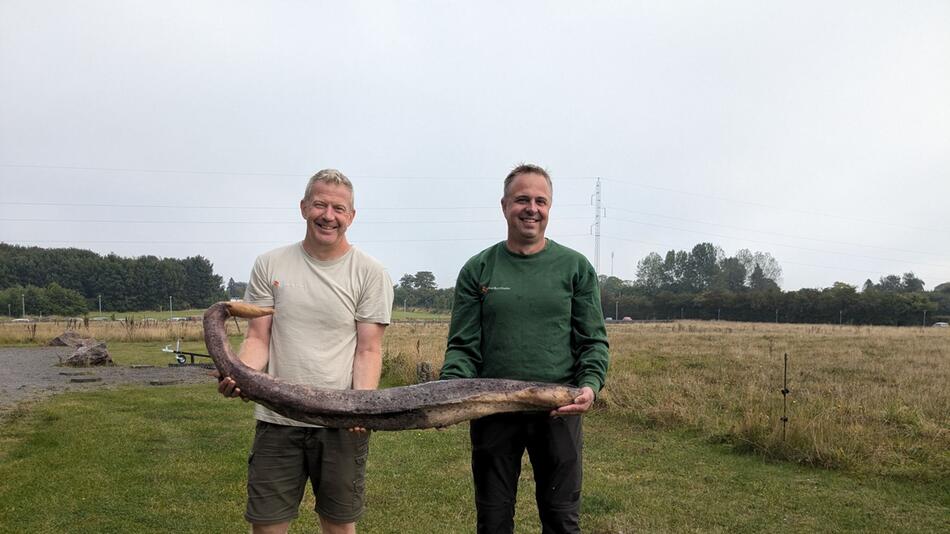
(296, 222)
(783, 245)
(224, 207)
(769, 206)
(279, 174)
(662, 245)
(240, 242)
(830, 241)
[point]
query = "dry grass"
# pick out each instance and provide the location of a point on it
(133, 330)
(869, 399)
(865, 399)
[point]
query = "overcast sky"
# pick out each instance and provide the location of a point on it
(816, 131)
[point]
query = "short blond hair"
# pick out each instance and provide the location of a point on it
(332, 177)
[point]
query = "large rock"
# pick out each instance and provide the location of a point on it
(90, 354)
(70, 339)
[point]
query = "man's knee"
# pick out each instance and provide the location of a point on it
(272, 528)
(495, 517)
(329, 527)
(560, 518)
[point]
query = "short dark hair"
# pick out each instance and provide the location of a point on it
(526, 168)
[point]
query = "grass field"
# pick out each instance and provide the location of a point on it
(686, 438)
(148, 327)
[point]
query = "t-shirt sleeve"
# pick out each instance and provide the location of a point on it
(376, 300)
(259, 290)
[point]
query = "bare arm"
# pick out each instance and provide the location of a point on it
(368, 360)
(255, 352)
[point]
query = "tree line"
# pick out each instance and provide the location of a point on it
(420, 291)
(50, 281)
(701, 283)
(704, 283)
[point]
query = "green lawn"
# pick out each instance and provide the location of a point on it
(173, 459)
(150, 353)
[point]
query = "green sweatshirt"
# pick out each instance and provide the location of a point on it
(534, 317)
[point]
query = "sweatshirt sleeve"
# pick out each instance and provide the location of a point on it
(463, 357)
(588, 332)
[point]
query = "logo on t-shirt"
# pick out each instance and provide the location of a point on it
(276, 283)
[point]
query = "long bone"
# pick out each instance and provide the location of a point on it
(427, 405)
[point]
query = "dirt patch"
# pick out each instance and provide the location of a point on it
(31, 373)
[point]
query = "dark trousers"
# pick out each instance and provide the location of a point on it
(554, 448)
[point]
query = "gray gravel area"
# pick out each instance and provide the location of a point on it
(30, 373)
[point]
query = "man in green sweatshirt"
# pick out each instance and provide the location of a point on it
(529, 309)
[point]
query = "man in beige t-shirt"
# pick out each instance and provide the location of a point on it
(331, 303)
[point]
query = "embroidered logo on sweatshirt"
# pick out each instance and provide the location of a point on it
(486, 289)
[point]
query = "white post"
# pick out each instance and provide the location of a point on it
(597, 228)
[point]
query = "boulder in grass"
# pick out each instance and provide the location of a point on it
(69, 339)
(89, 355)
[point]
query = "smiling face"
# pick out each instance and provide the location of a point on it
(525, 205)
(328, 210)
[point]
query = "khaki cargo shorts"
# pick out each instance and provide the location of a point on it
(284, 457)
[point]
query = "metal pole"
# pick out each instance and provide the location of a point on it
(22, 305)
(100, 304)
(170, 312)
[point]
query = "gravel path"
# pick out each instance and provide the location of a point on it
(28, 373)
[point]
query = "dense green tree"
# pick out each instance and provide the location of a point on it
(420, 291)
(123, 283)
(891, 283)
(758, 281)
(42, 301)
(236, 290)
(424, 280)
(407, 281)
(911, 284)
(702, 266)
(731, 275)
(651, 274)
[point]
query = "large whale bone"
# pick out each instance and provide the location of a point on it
(428, 405)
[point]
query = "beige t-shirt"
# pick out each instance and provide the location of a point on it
(316, 307)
